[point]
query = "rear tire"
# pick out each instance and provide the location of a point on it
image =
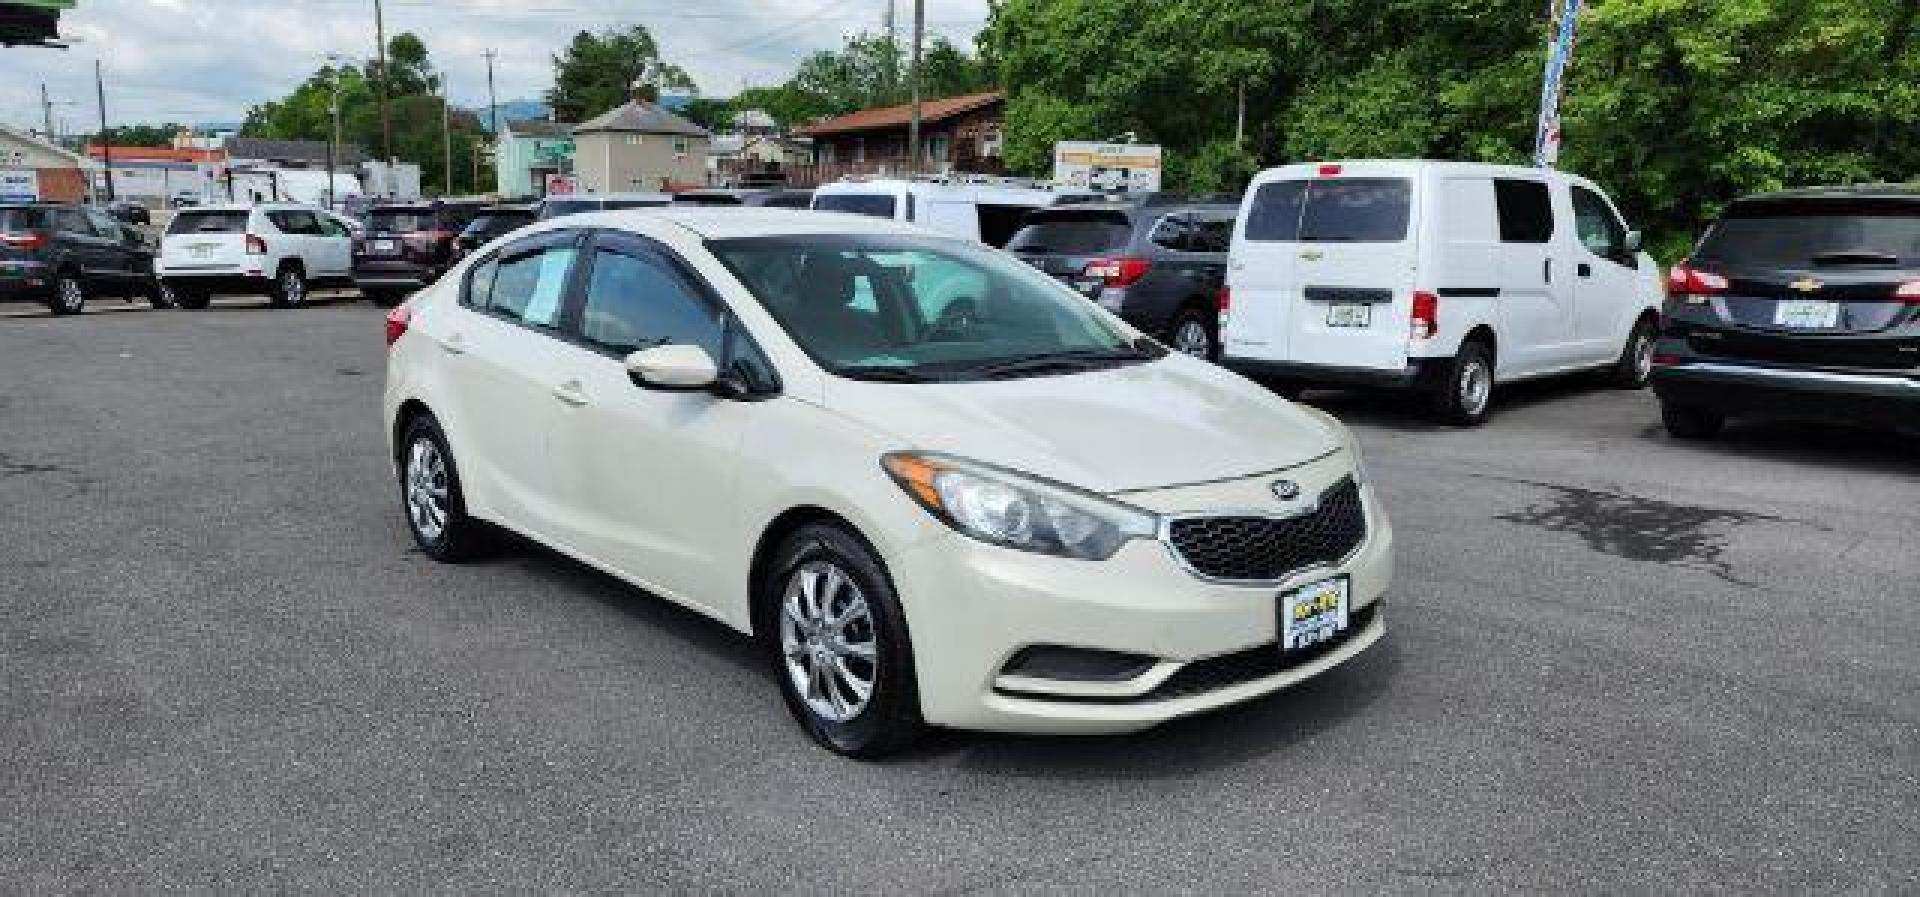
(1635, 365)
(1465, 395)
(851, 632)
(289, 288)
(383, 298)
(1192, 333)
(69, 295)
(1691, 421)
(431, 496)
(192, 300)
(162, 296)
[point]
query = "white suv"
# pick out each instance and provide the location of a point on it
(941, 486)
(1444, 276)
(280, 251)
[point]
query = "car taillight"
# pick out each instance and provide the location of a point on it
(256, 245)
(397, 321)
(1330, 171)
(1118, 272)
(29, 241)
(1225, 302)
(1908, 292)
(1693, 284)
(1425, 321)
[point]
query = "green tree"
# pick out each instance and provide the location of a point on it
(867, 71)
(597, 72)
(144, 135)
(714, 115)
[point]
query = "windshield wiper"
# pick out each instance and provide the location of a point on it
(885, 374)
(1071, 360)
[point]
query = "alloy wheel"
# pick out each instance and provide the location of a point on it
(1476, 386)
(73, 296)
(827, 637)
(1643, 357)
(427, 489)
(1192, 338)
(293, 288)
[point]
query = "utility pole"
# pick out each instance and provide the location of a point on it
(446, 135)
(106, 137)
(913, 124)
(46, 109)
(892, 73)
(493, 102)
(333, 136)
(386, 118)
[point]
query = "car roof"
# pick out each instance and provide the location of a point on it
(744, 221)
(606, 197)
(1851, 191)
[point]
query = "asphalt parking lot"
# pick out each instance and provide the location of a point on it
(1615, 662)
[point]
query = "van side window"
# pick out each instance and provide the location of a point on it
(1275, 216)
(1599, 230)
(1526, 211)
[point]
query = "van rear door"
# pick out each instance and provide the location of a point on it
(1339, 292)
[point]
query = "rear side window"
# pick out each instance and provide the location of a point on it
(614, 205)
(1332, 210)
(1073, 233)
(878, 205)
(296, 222)
(1174, 232)
(1213, 234)
(231, 222)
(528, 287)
(789, 201)
(22, 219)
(1526, 211)
(1863, 232)
(555, 208)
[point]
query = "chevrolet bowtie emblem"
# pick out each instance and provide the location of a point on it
(1806, 285)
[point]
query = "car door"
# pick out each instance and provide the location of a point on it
(289, 240)
(648, 477)
(81, 246)
(1606, 301)
(332, 246)
(120, 256)
(505, 355)
(1534, 320)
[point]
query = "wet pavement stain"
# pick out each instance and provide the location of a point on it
(12, 468)
(1638, 528)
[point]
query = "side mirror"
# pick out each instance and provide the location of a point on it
(673, 368)
(1635, 241)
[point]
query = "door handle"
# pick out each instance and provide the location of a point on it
(1584, 270)
(571, 393)
(1546, 271)
(455, 344)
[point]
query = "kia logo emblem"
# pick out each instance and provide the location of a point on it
(1286, 490)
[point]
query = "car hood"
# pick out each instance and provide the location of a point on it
(1169, 422)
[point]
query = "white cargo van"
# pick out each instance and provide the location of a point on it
(1443, 276)
(988, 212)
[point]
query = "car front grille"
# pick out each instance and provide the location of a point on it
(1254, 548)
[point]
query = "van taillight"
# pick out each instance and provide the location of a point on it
(1120, 272)
(1425, 321)
(28, 241)
(1330, 171)
(397, 321)
(256, 245)
(1225, 302)
(1685, 281)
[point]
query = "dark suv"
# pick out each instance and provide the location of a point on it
(489, 224)
(64, 254)
(1801, 304)
(407, 247)
(1158, 261)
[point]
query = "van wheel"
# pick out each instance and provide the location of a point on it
(1466, 392)
(162, 296)
(1192, 334)
(289, 288)
(1636, 358)
(839, 645)
(1691, 421)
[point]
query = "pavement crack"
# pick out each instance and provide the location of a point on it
(11, 468)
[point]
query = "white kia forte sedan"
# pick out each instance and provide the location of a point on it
(940, 487)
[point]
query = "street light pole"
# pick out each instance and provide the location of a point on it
(333, 136)
(386, 118)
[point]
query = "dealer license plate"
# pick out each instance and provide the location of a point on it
(385, 247)
(1314, 613)
(1349, 314)
(202, 250)
(1806, 314)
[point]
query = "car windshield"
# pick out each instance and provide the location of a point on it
(1076, 232)
(878, 205)
(226, 222)
(1817, 233)
(905, 308)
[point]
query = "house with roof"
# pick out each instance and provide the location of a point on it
(639, 146)
(958, 135)
(31, 168)
(527, 152)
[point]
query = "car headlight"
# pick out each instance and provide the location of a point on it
(1013, 510)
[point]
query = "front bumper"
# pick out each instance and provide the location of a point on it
(1734, 388)
(974, 607)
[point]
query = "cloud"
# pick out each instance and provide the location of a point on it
(208, 60)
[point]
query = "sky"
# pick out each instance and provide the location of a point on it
(208, 60)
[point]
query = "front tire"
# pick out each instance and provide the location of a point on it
(1635, 365)
(431, 496)
(289, 288)
(838, 641)
(1465, 396)
(1691, 421)
(69, 295)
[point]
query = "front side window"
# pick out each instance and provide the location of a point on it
(1599, 230)
(528, 286)
(915, 308)
(634, 302)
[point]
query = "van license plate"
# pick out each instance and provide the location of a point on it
(202, 250)
(385, 247)
(1806, 314)
(1349, 314)
(1312, 614)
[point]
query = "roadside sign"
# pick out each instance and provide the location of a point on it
(1127, 167)
(1553, 85)
(19, 185)
(561, 185)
